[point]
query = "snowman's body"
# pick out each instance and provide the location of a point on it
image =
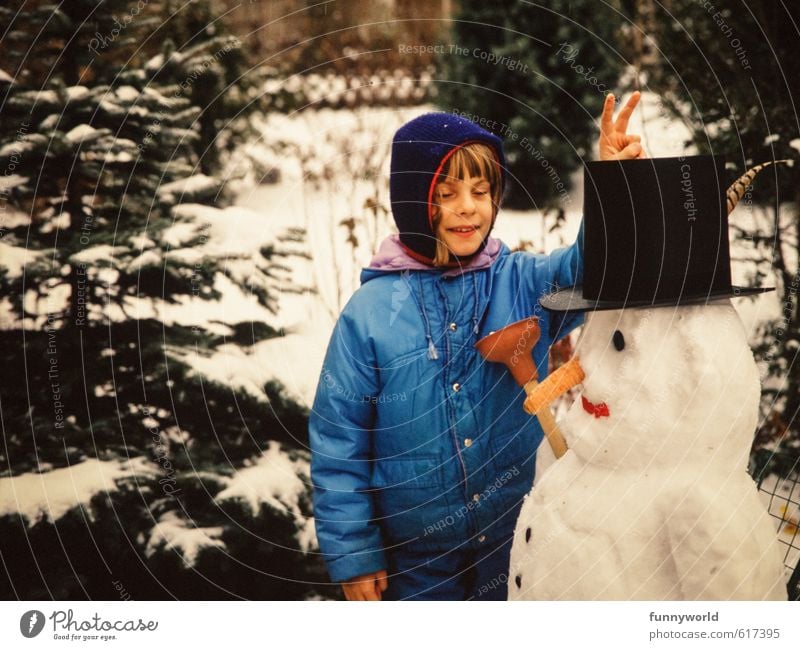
(653, 501)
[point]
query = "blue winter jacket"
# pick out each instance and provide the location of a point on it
(416, 440)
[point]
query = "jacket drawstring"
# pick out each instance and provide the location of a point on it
(420, 303)
(475, 309)
(432, 353)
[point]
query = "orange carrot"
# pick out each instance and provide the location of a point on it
(556, 384)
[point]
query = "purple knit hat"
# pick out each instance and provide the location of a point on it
(420, 149)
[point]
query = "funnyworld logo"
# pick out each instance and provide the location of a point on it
(31, 623)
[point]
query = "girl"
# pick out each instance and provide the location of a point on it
(421, 450)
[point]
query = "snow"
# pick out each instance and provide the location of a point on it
(50, 122)
(180, 232)
(54, 222)
(106, 275)
(231, 231)
(163, 100)
(191, 185)
(15, 258)
(236, 234)
(11, 181)
(80, 133)
(174, 533)
(127, 93)
(53, 301)
(281, 357)
(190, 310)
(142, 241)
(311, 143)
(148, 258)
(295, 359)
(112, 109)
(118, 157)
(49, 496)
(661, 134)
(104, 390)
(229, 365)
(186, 255)
(98, 254)
(274, 480)
(18, 146)
(41, 96)
(155, 63)
(74, 93)
(307, 536)
(11, 217)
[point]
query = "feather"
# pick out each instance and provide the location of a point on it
(737, 189)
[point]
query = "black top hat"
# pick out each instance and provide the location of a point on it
(655, 233)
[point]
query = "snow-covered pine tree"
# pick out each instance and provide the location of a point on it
(732, 76)
(537, 75)
(153, 478)
(222, 83)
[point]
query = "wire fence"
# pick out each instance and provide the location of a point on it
(782, 496)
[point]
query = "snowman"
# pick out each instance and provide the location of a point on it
(652, 500)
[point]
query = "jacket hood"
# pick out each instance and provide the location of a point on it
(420, 149)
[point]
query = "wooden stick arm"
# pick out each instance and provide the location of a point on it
(551, 431)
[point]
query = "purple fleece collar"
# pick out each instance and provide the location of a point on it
(391, 256)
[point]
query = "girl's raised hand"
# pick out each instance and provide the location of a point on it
(615, 143)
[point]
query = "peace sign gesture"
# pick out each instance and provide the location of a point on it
(614, 143)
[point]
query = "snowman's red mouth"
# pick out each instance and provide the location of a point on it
(598, 410)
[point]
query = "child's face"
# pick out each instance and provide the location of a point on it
(466, 213)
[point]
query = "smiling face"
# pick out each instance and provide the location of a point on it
(464, 202)
(465, 214)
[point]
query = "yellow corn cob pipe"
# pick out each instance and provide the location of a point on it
(559, 382)
(548, 421)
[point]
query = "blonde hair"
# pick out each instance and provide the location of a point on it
(474, 159)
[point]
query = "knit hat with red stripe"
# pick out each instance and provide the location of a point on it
(420, 149)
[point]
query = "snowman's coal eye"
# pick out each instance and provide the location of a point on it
(619, 341)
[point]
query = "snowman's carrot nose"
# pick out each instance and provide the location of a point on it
(559, 382)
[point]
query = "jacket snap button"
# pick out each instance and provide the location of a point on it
(476, 497)
(453, 327)
(468, 442)
(456, 387)
(482, 538)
